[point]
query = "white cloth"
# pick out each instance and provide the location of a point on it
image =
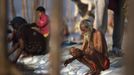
(89, 2)
(77, 15)
(100, 12)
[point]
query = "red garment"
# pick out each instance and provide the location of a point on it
(42, 23)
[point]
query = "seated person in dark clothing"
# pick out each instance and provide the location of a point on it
(26, 40)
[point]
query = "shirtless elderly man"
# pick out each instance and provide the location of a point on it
(93, 52)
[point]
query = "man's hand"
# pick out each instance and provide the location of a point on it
(67, 62)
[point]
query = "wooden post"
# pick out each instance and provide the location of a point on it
(55, 36)
(5, 67)
(129, 41)
(4, 70)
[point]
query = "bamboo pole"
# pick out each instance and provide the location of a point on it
(4, 70)
(13, 13)
(5, 67)
(35, 4)
(55, 33)
(27, 11)
(24, 8)
(33, 9)
(129, 41)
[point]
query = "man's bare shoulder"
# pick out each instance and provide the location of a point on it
(98, 32)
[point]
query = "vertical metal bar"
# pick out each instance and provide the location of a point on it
(55, 36)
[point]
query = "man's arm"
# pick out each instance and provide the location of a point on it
(85, 42)
(98, 42)
(84, 45)
(79, 54)
(72, 59)
(76, 10)
(69, 60)
(13, 49)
